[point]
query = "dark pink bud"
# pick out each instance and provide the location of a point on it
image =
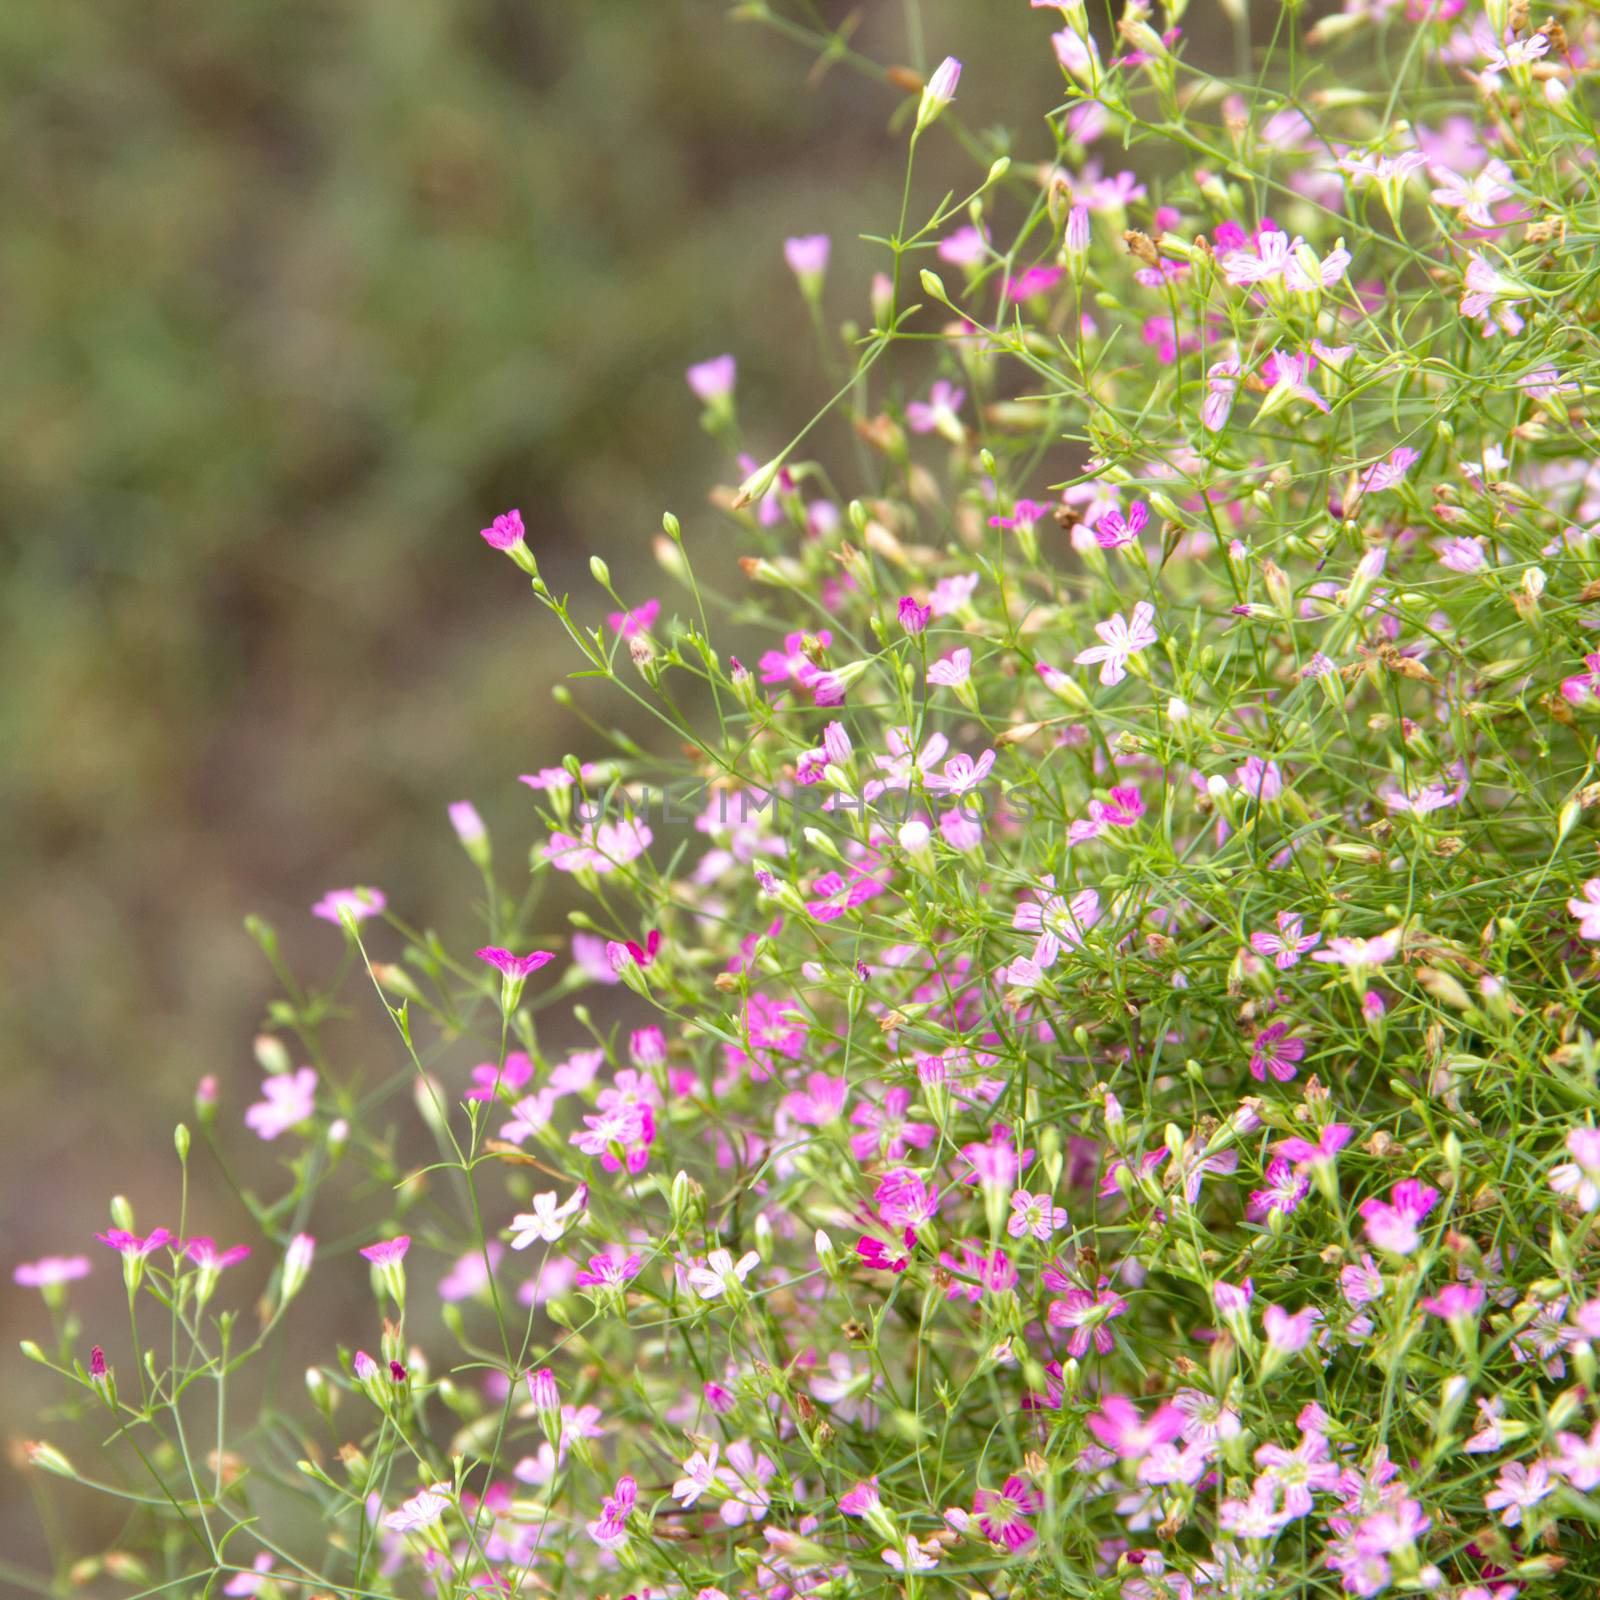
(97, 1362)
(397, 1372)
(913, 618)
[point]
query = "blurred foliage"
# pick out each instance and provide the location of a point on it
(295, 295)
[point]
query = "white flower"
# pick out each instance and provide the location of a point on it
(721, 1273)
(547, 1220)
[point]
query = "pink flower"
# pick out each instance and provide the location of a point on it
(1472, 197)
(1394, 1225)
(1580, 1177)
(1059, 923)
(1290, 377)
(249, 1583)
(938, 412)
(744, 1480)
(862, 1500)
(1288, 944)
(49, 1272)
(1285, 1189)
(961, 774)
(1371, 952)
(807, 255)
(1289, 1334)
(1120, 642)
(514, 966)
(1123, 1431)
(1386, 474)
(290, 1100)
(1579, 1461)
(357, 904)
(1456, 1302)
(887, 1133)
(953, 670)
(599, 848)
(1035, 1214)
(712, 380)
(1587, 910)
(1519, 1488)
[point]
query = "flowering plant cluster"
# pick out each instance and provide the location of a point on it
(1181, 1184)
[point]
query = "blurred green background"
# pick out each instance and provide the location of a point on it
(294, 296)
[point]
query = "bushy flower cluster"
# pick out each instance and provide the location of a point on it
(1091, 1070)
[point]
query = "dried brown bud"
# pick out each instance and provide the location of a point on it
(1143, 246)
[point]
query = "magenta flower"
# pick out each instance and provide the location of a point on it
(506, 531)
(609, 1530)
(862, 1500)
(357, 904)
(1115, 532)
(605, 1272)
(1120, 641)
(132, 1245)
(1306, 1152)
(630, 624)
(1003, 1514)
(1273, 1051)
(387, 1252)
(1087, 1315)
(904, 1200)
(913, 618)
(514, 966)
(205, 1255)
(291, 1099)
(1285, 1189)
